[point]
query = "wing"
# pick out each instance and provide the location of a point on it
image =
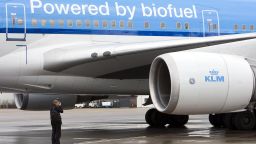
(58, 60)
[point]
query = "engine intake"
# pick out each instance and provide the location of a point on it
(200, 83)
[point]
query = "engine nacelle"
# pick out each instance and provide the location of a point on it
(43, 101)
(200, 83)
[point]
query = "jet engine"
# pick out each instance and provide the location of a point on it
(200, 83)
(43, 101)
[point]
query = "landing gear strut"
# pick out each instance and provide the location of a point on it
(241, 120)
(157, 119)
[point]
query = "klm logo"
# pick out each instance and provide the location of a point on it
(214, 77)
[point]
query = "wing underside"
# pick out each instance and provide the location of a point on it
(107, 56)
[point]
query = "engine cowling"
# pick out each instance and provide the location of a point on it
(200, 83)
(43, 101)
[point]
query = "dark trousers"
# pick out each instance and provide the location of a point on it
(56, 133)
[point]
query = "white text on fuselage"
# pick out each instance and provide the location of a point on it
(105, 9)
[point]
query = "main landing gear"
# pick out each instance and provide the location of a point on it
(245, 120)
(158, 119)
(239, 121)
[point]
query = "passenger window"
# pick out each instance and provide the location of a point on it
(78, 23)
(61, 23)
(187, 26)
(244, 27)
(34, 22)
(43, 22)
(252, 27)
(87, 23)
(96, 23)
(113, 24)
(130, 24)
(236, 27)
(121, 24)
(70, 23)
(20, 22)
(178, 25)
(146, 25)
(52, 23)
(105, 24)
(162, 25)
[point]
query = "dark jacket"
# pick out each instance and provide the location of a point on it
(55, 115)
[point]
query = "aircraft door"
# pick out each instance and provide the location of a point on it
(211, 24)
(15, 22)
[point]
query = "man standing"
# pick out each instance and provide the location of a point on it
(56, 121)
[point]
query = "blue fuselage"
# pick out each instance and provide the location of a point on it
(193, 18)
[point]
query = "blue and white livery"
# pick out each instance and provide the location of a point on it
(192, 57)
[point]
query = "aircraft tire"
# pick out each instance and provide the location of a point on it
(244, 120)
(216, 120)
(227, 121)
(155, 118)
(178, 120)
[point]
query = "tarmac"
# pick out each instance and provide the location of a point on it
(111, 126)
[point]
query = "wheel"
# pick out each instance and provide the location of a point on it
(228, 120)
(178, 120)
(148, 117)
(244, 120)
(158, 119)
(216, 120)
(255, 116)
(155, 118)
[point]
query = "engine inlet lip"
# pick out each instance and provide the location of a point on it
(175, 84)
(21, 101)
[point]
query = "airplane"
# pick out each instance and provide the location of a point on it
(191, 57)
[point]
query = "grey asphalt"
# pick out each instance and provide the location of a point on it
(111, 126)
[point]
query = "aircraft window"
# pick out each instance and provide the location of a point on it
(244, 27)
(70, 23)
(105, 24)
(146, 25)
(61, 23)
(43, 22)
(96, 23)
(87, 23)
(178, 25)
(236, 27)
(52, 23)
(34, 22)
(20, 22)
(130, 24)
(162, 25)
(78, 23)
(113, 24)
(252, 27)
(187, 26)
(121, 24)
